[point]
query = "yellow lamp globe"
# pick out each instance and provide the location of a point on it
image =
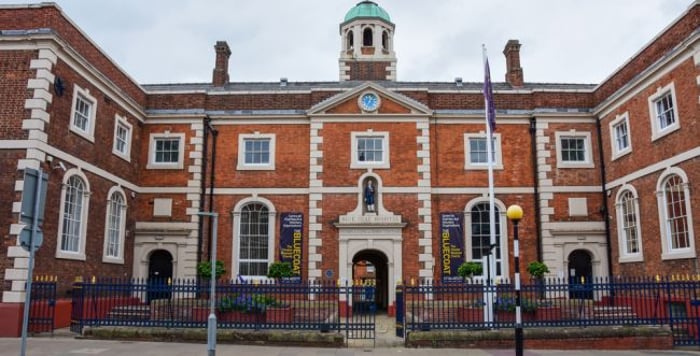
(514, 212)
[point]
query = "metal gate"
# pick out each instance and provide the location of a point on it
(42, 305)
(361, 313)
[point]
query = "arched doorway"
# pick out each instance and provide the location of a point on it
(371, 266)
(160, 271)
(580, 274)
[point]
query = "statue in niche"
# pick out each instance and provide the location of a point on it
(369, 194)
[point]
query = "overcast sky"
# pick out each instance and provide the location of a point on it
(563, 41)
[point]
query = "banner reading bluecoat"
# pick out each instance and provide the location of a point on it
(291, 230)
(451, 246)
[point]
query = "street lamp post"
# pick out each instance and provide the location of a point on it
(211, 321)
(515, 213)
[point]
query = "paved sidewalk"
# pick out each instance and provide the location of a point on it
(61, 346)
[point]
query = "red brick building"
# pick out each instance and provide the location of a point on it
(605, 173)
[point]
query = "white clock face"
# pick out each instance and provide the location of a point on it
(369, 102)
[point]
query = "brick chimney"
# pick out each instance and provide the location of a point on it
(220, 75)
(514, 72)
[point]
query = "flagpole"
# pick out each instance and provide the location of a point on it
(488, 105)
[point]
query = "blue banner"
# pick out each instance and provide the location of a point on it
(291, 241)
(451, 246)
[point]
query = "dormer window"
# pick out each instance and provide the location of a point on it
(367, 37)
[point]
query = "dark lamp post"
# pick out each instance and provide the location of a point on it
(514, 214)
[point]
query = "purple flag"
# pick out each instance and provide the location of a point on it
(488, 97)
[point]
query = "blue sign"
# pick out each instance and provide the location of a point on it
(451, 246)
(291, 242)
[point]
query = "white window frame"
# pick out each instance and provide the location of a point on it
(272, 233)
(656, 131)
(242, 165)
(152, 164)
(85, 208)
(587, 162)
(498, 164)
(667, 253)
(121, 121)
(616, 151)
(503, 243)
(621, 233)
(84, 95)
(119, 259)
(356, 163)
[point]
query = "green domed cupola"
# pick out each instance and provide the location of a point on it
(367, 9)
(367, 44)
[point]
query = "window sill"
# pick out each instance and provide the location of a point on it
(621, 154)
(164, 166)
(657, 134)
(378, 165)
(70, 255)
(82, 134)
(121, 155)
(481, 167)
(631, 258)
(684, 254)
(250, 167)
(575, 165)
(113, 260)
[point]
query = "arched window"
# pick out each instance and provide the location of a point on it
(350, 40)
(367, 37)
(480, 239)
(73, 224)
(115, 227)
(676, 215)
(254, 240)
(628, 231)
(673, 196)
(385, 40)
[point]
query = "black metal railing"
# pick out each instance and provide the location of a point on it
(672, 301)
(42, 304)
(311, 305)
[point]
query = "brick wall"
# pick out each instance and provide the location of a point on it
(8, 177)
(650, 230)
(644, 150)
(374, 70)
(291, 157)
(99, 152)
(650, 54)
(224, 204)
(447, 148)
(50, 16)
(14, 74)
(67, 270)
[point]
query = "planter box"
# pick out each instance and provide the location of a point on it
(279, 315)
(509, 317)
(470, 315)
(235, 316)
(548, 314)
(201, 315)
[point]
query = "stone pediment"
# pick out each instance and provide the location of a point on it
(349, 103)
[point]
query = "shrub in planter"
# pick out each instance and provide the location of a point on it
(470, 269)
(279, 270)
(204, 269)
(537, 269)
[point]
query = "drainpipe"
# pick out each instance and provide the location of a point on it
(535, 178)
(604, 208)
(212, 175)
(202, 190)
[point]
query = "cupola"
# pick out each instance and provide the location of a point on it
(367, 44)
